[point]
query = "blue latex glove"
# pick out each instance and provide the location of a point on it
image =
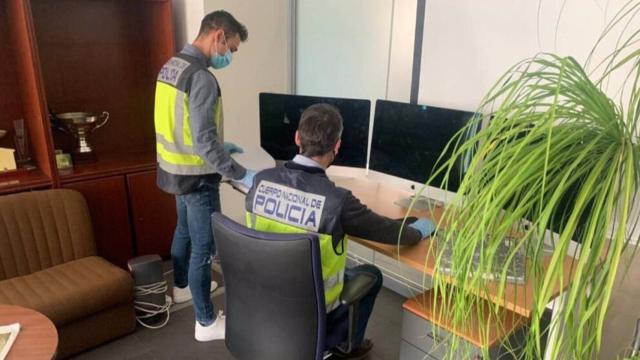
(232, 148)
(424, 226)
(247, 180)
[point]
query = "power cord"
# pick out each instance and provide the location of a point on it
(150, 309)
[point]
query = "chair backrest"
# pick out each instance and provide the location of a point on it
(274, 293)
(41, 229)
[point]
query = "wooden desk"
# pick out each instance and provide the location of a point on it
(381, 197)
(496, 328)
(38, 337)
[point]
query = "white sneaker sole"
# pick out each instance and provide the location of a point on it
(181, 299)
(205, 333)
(209, 339)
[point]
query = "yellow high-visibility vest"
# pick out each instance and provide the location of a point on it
(284, 201)
(174, 141)
(333, 265)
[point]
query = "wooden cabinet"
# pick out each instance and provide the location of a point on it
(94, 56)
(153, 213)
(22, 96)
(130, 215)
(109, 208)
(104, 55)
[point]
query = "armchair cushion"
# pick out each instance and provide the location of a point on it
(70, 291)
(41, 229)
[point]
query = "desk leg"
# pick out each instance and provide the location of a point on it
(555, 326)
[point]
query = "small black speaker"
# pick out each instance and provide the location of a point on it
(151, 301)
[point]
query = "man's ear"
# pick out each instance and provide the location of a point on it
(297, 138)
(337, 147)
(218, 36)
(298, 142)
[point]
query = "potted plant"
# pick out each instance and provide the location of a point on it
(557, 160)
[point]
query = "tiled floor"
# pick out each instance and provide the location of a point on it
(175, 341)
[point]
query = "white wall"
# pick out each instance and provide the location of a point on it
(187, 15)
(261, 64)
(346, 48)
(342, 48)
(466, 47)
(469, 44)
(356, 48)
(402, 45)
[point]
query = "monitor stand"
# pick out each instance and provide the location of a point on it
(421, 202)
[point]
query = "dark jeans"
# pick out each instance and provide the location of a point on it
(338, 319)
(193, 246)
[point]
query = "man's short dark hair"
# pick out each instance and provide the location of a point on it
(320, 129)
(223, 20)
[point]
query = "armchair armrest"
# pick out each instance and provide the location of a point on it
(352, 292)
(356, 288)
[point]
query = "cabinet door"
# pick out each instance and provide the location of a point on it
(153, 215)
(108, 205)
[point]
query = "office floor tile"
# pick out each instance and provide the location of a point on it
(175, 341)
(126, 348)
(385, 325)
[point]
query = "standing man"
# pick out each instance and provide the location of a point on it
(192, 159)
(319, 206)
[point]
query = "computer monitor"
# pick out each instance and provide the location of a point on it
(408, 139)
(280, 115)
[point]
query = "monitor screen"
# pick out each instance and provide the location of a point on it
(280, 114)
(408, 140)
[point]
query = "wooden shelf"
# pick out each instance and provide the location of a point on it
(111, 67)
(99, 55)
(496, 327)
(110, 165)
(35, 179)
(21, 95)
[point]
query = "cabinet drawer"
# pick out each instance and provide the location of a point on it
(403, 271)
(359, 252)
(420, 333)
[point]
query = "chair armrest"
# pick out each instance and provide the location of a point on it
(356, 288)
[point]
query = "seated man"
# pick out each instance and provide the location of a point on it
(299, 197)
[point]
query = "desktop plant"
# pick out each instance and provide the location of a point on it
(558, 150)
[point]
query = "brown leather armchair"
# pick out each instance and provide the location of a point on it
(48, 263)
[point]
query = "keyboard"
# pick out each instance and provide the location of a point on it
(516, 273)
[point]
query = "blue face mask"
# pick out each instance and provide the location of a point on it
(219, 61)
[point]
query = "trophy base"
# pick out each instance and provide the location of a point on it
(84, 157)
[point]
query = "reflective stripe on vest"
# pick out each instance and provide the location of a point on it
(174, 141)
(333, 265)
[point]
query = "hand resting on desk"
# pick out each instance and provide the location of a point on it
(424, 226)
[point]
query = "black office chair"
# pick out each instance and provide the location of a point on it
(274, 294)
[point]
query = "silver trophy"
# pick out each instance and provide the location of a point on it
(80, 125)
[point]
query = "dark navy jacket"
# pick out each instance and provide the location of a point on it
(342, 213)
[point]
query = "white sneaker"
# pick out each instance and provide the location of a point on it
(182, 295)
(215, 264)
(212, 332)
